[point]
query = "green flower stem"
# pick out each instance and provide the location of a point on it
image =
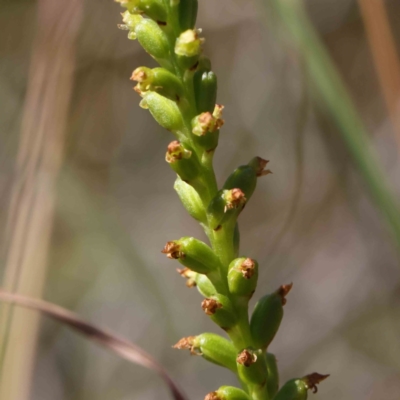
(258, 392)
(222, 243)
(240, 333)
(181, 97)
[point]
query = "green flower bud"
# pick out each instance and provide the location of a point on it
(228, 393)
(187, 11)
(244, 178)
(207, 122)
(273, 375)
(206, 127)
(225, 205)
(164, 111)
(217, 350)
(212, 347)
(188, 44)
(205, 286)
(205, 91)
(242, 276)
(192, 253)
(183, 161)
(267, 316)
(158, 80)
(220, 310)
(152, 39)
(251, 367)
(296, 389)
(190, 200)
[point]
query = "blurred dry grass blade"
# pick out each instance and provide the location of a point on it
(383, 48)
(30, 214)
(120, 346)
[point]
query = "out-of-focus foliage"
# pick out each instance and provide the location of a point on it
(313, 224)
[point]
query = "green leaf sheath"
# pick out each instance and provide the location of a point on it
(181, 95)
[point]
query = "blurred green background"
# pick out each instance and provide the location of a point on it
(312, 222)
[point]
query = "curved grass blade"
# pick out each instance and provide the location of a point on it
(120, 346)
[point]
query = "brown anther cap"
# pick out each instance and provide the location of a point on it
(185, 343)
(283, 292)
(210, 306)
(246, 358)
(174, 146)
(313, 379)
(247, 268)
(212, 396)
(234, 199)
(171, 249)
(205, 118)
(138, 75)
(188, 343)
(174, 152)
(260, 168)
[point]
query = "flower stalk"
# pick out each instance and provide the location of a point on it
(181, 96)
